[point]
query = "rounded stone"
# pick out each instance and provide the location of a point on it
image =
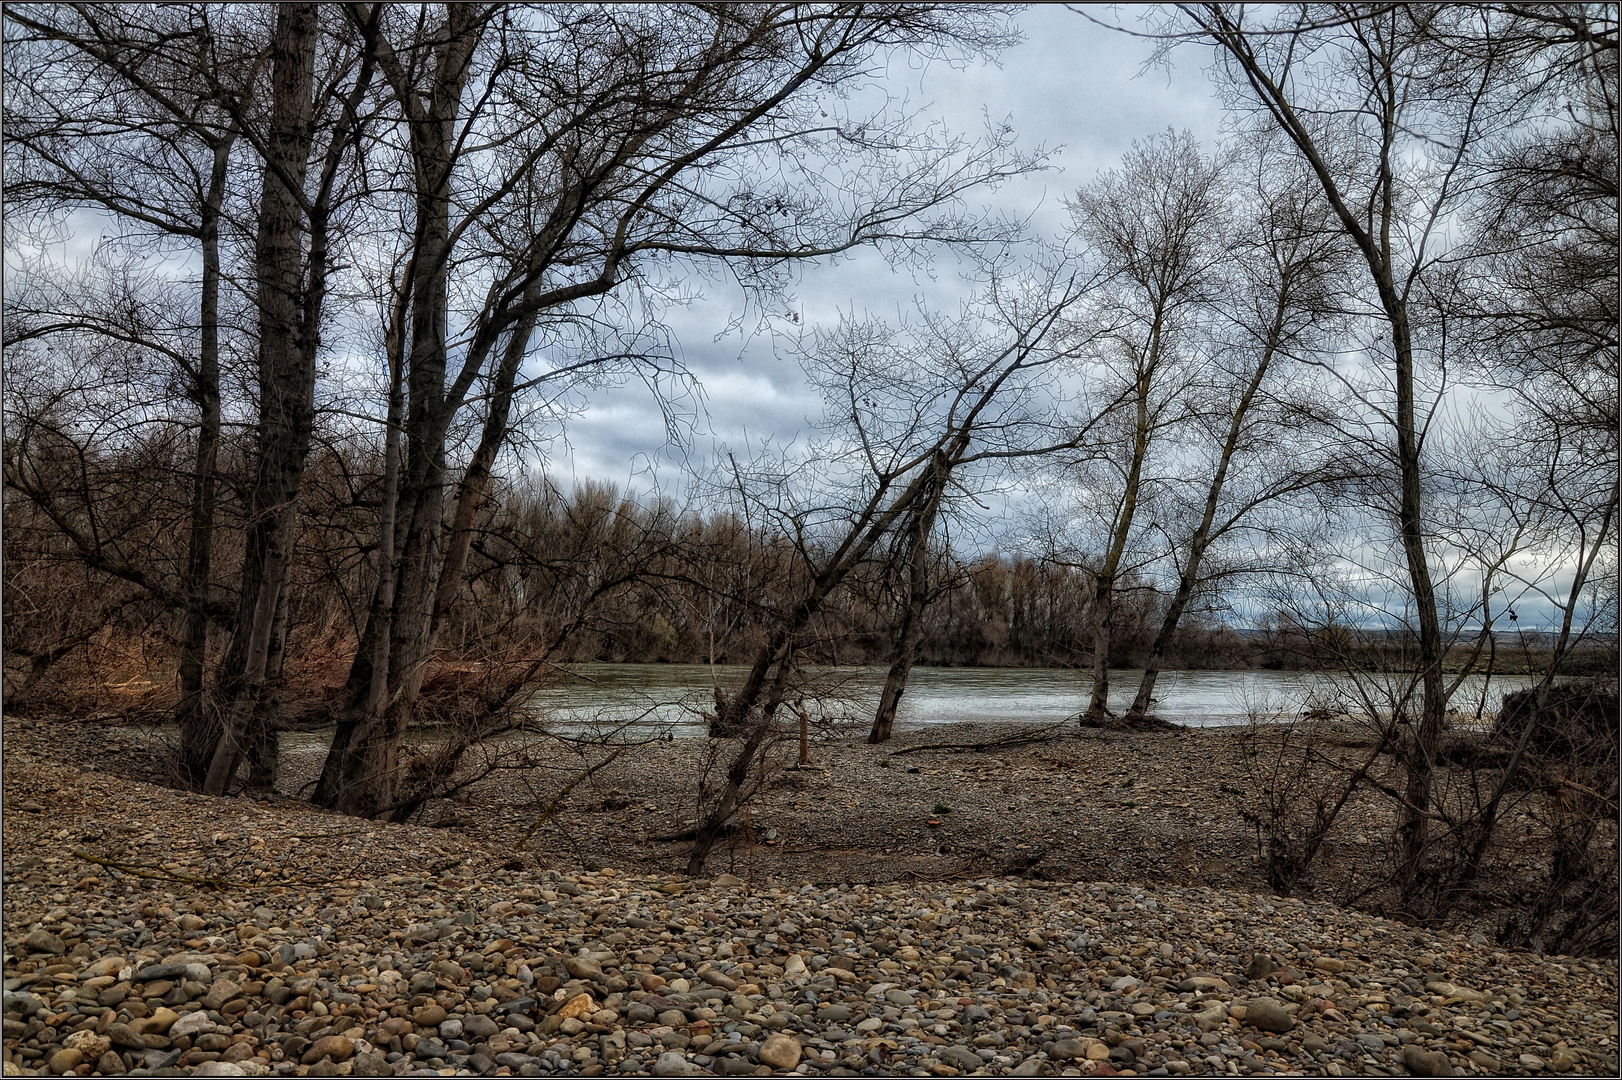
(429, 1016)
(1426, 1062)
(336, 1047)
(780, 1051)
(1268, 1015)
(672, 1063)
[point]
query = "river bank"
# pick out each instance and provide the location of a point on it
(1166, 807)
(183, 934)
(677, 697)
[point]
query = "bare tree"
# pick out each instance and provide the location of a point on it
(293, 251)
(912, 553)
(1158, 225)
(1391, 128)
(141, 137)
(1255, 413)
(905, 415)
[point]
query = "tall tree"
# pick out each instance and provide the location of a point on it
(1254, 422)
(1393, 124)
(115, 109)
(293, 252)
(1158, 225)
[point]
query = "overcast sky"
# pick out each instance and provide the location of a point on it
(1072, 87)
(1078, 90)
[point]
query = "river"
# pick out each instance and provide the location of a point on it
(678, 694)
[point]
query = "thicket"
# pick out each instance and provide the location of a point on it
(81, 640)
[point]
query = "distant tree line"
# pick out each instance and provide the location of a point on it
(705, 590)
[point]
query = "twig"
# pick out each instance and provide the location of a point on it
(570, 786)
(1572, 784)
(140, 871)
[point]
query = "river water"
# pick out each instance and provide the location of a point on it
(677, 695)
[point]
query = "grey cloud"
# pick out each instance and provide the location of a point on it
(1071, 85)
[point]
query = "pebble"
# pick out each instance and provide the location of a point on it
(543, 972)
(1426, 1062)
(39, 941)
(780, 1051)
(191, 1024)
(1269, 1015)
(671, 1063)
(335, 1047)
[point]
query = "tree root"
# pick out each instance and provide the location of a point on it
(1143, 723)
(691, 833)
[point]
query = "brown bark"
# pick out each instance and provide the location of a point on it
(291, 291)
(912, 618)
(1421, 761)
(199, 728)
(286, 385)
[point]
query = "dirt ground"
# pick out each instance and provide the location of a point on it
(1176, 807)
(1086, 805)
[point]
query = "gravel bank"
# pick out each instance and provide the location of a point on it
(243, 938)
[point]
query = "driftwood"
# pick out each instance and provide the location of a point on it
(1018, 738)
(1111, 722)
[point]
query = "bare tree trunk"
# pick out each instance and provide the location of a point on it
(476, 477)
(248, 702)
(286, 384)
(1104, 579)
(1421, 757)
(732, 713)
(364, 765)
(912, 618)
(365, 691)
(378, 757)
(709, 830)
(199, 728)
(1103, 624)
(776, 656)
(263, 749)
(1189, 579)
(1381, 64)
(370, 774)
